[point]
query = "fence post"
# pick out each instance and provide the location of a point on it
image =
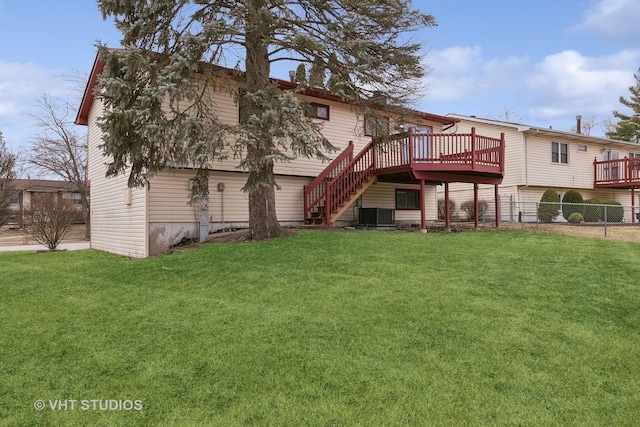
(605, 221)
(511, 208)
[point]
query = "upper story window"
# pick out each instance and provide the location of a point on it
(318, 111)
(559, 152)
(14, 197)
(376, 126)
(634, 155)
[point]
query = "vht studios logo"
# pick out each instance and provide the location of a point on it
(88, 405)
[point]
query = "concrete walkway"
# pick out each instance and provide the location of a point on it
(76, 246)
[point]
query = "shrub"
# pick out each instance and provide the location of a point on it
(548, 207)
(614, 212)
(575, 218)
(441, 213)
(50, 217)
(571, 197)
(593, 213)
(468, 208)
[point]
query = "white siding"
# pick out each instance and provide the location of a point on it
(344, 125)
(116, 226)
(383, 195)
(578, 173)
(169, 197)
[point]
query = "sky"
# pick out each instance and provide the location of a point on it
(539, 63)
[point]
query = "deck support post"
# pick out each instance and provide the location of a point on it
(447, 220)
(423, 219)
(497, 200)
(475, 205)
(633, 205)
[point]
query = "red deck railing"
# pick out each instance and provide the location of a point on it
(616, 173)
(439, 151)
(402, 152)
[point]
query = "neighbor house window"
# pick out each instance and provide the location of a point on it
(376, 126)
(407, 199)
(318, 111)
(76, 198)
(559, 152)
(14, 197)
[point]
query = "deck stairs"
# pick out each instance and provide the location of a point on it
(329, 196)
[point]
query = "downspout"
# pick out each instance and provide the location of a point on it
(526, 177)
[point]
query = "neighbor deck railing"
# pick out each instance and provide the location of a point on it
(616, 173)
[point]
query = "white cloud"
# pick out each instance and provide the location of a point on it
(614, 20)
(21, 85)
(462, 72)
(568, 83)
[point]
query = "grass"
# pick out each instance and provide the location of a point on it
(329, 328)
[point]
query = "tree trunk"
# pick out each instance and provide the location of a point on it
(85, 214)
(263, 221)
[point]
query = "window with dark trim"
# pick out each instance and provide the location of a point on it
(559, 152)
(407, 199)
(318, 111)
(376, 126)
(14, 198)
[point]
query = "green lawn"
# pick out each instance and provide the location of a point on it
(328, 329)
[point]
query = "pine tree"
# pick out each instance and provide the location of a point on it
(628, 126)
(157, 112)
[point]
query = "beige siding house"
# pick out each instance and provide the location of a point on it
(537, 159)
(146, 221)
(26, 190)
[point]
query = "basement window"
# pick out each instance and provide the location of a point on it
(407, 199)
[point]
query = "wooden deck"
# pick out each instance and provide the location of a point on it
(419, 158)
(442, 157)
(620, 173)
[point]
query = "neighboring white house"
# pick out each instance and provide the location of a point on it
(537, 159)
(400, 179)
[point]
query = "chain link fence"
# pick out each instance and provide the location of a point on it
(602, 218)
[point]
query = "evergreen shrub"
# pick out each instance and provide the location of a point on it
(548, 207)
(570, 197)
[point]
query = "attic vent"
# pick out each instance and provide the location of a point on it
(582, 148)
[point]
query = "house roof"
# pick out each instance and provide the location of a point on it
(43, 185)
(548, 132)
(82, 118)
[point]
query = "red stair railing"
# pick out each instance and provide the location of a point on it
(315, 192)
(348, 180)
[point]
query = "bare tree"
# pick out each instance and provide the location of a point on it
(587, 124)
(7, 175)
(58, 149)
(49, 218)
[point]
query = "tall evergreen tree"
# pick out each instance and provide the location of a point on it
(628, 126)
(157, 88)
